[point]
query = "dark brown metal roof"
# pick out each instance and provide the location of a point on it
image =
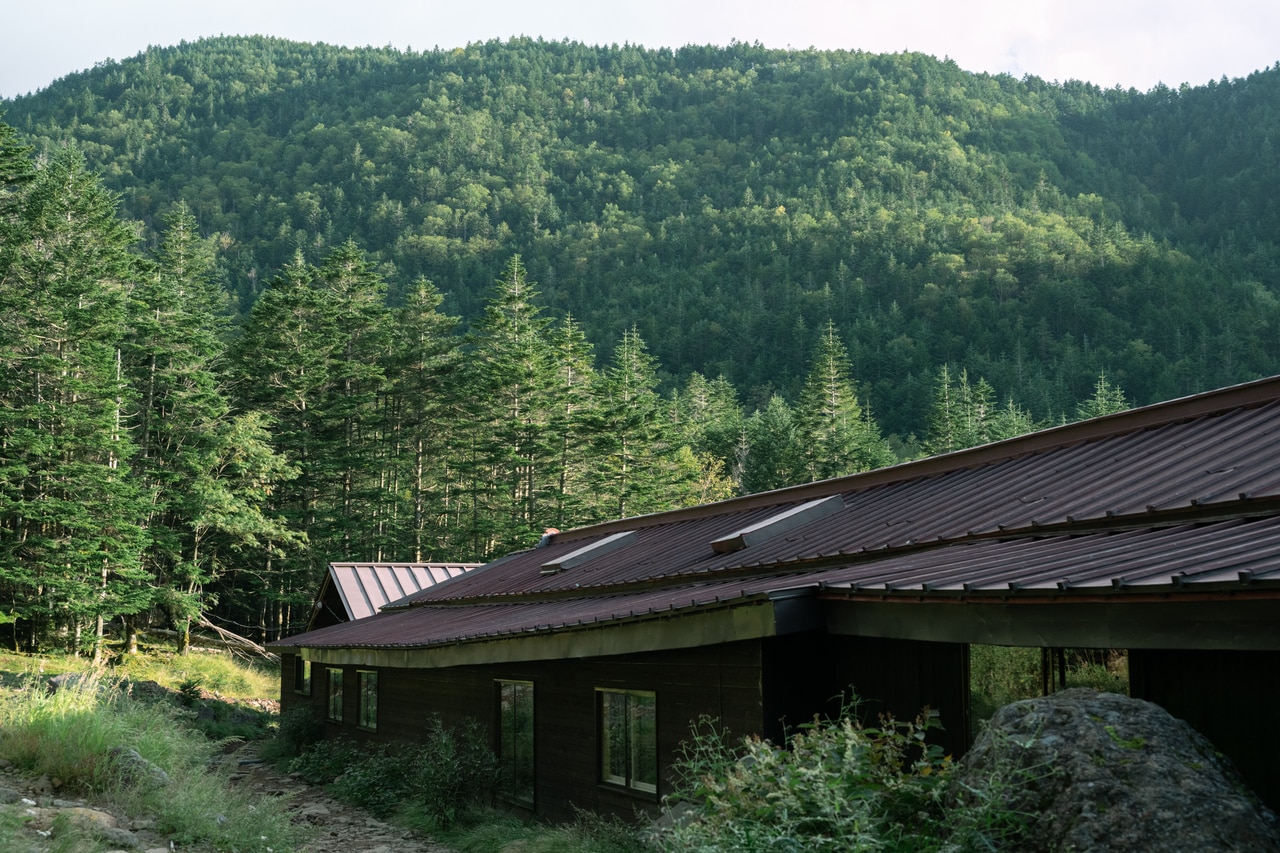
(1175, 497)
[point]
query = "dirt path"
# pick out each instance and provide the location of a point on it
(338, 828)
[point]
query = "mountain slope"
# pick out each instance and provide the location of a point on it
(728, 201)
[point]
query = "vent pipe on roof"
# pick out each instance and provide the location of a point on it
(587, 552)
(776, 525)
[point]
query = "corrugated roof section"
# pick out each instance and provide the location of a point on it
(366, 587)
(1222, 461)
(1235, 554)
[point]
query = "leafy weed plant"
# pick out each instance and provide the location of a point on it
(838, 786)
(493, 831)
(448, 773)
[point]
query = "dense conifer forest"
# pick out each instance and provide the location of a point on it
(264, 305)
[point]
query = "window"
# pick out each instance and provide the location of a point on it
(335, 695)
(367, 714)
(302, 676)
(629, 739)
(515, 740)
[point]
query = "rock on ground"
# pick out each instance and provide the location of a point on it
(1102, 772)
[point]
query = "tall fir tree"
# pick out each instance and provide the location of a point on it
(511, 385)
(709, 419)
(359, 351)
(422, 401)
(16, 171)
(194, 457)
(838, 436)
(281, 366)
(576, 405)
(966, 414)
(633, 434)
(71, 554)
(1107, 399)
(771, 455)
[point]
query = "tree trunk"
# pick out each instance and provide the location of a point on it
(130, 636)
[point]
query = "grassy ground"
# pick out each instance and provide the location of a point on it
(69, 735)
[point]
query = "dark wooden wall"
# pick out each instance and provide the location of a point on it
(816, 672)
(1227, 696)
(749, 687)
(719, 681)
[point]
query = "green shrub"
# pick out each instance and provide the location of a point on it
(454, 771)
(297, 729)
(446, 774)
(325, 761)
(999, 675)
(838, 786)
(493, 831)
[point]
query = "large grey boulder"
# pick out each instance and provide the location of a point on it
(1102, 772)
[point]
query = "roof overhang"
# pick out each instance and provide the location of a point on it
(1237, 623)
(743, 619)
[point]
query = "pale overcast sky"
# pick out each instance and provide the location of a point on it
(1136, 43)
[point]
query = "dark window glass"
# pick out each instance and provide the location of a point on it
(335, 695)
(515, 740)
(367, 714)
(629, 739)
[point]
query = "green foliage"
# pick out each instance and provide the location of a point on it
(189, 690)
(69, 734)
(448, 773)
(219, 672)
(999, 675)
(727, 201)
(837, 436)
(1107, 399)
(837, 786)
(298, 729)
(491, 831)
(967, 415)
(690, 213)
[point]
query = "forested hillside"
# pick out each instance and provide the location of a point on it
(728, 202)
(389, 306)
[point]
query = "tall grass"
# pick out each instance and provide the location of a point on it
(69, 735)
(216, 672)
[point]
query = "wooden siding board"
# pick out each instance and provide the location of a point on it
(819, 672)
(1198, 686)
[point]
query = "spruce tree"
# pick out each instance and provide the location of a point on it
(422, 405)
(575, 411)
(281, 365)
(771, 456)
(1107, 399)
(207, 471)
(838, 436)
(68, 504)
(512, 470)
(634, 465)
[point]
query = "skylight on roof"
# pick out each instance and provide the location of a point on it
(776, 525)
(588, 552)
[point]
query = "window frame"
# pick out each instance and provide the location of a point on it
(302, 676)
(635, 707)
(335, 697)
(513, 765)
(366, 689)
